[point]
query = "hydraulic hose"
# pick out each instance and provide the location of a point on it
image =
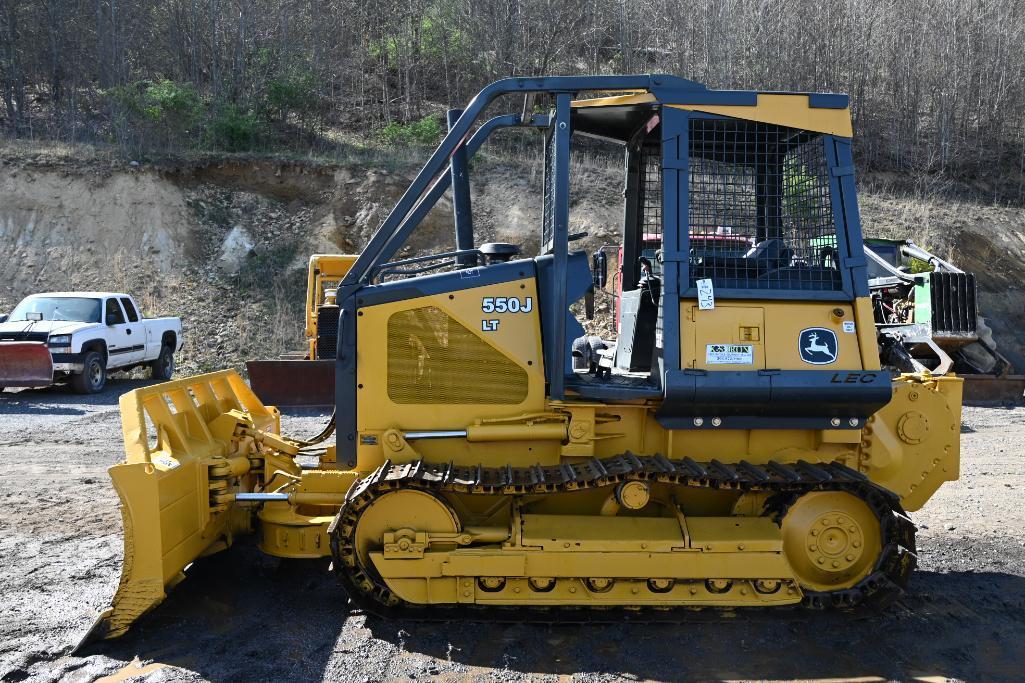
(320, 438)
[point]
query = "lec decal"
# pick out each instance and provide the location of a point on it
(853, 378)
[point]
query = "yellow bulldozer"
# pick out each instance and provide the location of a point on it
(307, 378)
(750, 452)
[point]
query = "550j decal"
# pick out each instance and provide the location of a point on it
(506, 304)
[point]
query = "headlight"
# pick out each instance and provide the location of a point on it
(59, 340)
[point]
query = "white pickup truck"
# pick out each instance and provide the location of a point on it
(81, 336)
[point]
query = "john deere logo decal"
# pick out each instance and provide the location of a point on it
(818, 346)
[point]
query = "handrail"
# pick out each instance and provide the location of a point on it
(381, 245)
(428, 201)
(392, 266)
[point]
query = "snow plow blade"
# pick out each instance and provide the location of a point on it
(25, 364)
(187, 445)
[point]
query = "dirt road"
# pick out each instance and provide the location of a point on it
(243, 616)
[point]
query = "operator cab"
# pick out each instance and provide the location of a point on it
(755, 198)
(738, 275)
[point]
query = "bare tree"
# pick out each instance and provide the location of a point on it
(936, 85)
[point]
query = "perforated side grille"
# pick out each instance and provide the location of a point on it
(432, 359)
(327, 332)
(760, 210)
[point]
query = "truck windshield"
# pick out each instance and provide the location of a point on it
(58, 308)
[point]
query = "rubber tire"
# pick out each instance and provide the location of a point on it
(81, 381)
(163, 367)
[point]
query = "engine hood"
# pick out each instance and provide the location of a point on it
(33, 330)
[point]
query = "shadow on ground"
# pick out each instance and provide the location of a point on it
(61, 399)
(241, 615)
(926, 634)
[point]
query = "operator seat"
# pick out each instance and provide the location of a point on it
(499, 252)
(768, 255)
(638, 321)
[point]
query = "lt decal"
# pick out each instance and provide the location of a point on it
(503, 304)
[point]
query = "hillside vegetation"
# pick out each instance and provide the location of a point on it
(937, 86)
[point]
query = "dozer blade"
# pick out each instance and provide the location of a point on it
(25, 364)
(293, 382)
(185, 459)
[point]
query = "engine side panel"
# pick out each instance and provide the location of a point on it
(446, 361)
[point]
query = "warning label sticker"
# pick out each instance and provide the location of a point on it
(706, 295)
(729, 354)
(166, 461)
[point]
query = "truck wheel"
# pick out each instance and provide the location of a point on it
(163, 367)
(93, 377)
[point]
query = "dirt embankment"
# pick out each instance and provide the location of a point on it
(224, 243)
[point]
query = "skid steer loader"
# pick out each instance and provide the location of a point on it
(761, 458)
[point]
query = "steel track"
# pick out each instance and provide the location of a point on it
(785, 482)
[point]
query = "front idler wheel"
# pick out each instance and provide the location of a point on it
(401, 513)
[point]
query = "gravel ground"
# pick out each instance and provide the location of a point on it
(243, 616)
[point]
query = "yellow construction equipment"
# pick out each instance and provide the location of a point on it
(740, 447)
(324, 275)
(308, 378)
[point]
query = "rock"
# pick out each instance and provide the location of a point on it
(235, 249)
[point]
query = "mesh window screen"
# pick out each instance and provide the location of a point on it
(651, 204)
(759, 207)
(548, 217)
(432, 359)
